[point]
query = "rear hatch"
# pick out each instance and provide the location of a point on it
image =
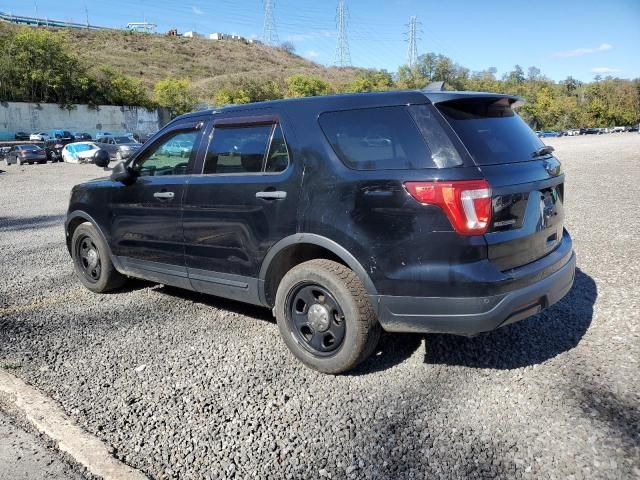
(526, 180)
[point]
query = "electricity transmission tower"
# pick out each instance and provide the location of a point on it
(412, 39)
(269, 34)
(343, 56)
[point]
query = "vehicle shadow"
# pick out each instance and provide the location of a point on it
(529, 342)
(241, 308)
(29, 223)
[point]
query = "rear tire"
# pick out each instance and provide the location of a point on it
(91, 260)
(325, 317)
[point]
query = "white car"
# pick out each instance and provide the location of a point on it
(39, 137)
(79, 152)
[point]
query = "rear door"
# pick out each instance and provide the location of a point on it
(244, 200)
(526, 181)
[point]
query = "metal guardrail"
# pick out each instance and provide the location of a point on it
(45, 22)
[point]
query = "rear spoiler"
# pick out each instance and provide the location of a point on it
(436, 96)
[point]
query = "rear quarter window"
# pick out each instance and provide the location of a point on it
(384, 138)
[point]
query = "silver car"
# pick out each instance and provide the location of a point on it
(119, 147)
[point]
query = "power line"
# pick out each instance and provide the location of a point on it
(412, 51)
(343, 56)
(270, 34)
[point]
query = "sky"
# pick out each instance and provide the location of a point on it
(580, 38)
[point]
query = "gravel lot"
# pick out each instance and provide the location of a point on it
(190, 386)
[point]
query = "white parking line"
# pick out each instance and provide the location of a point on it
(49, 419)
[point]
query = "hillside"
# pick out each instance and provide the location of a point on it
(208, 64)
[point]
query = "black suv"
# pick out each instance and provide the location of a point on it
(349, 214)
(54, 147)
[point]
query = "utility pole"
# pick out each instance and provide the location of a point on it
(343, 56)
(269, 33)
(412, 39)
(86, 12)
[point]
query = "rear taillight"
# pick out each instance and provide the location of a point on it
(467, 203)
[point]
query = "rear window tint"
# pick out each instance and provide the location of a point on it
(385, 138)
(490, 130)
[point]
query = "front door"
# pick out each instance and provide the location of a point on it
(244, 200)
(146, 227)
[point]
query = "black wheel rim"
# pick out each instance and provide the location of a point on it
(316, 320)
(88, 257)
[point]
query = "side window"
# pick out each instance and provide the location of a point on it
(384, 138)
(164, 159)
(278, 157)
(238, 149)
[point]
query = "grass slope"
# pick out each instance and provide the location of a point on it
(208, 64)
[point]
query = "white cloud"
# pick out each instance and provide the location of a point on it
(579, 52)
(197, 11)
(604, 70)
(312, 54)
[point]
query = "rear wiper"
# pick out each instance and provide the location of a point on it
(542, 151)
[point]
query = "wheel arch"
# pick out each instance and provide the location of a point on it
(298, 248)
(78, 217)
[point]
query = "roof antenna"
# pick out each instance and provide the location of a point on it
(435, 87)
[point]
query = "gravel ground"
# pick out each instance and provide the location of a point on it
(189, 386)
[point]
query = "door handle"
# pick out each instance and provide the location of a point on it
(272, 195)
(164, 195)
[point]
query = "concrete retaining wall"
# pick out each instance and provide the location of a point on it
(33, 117)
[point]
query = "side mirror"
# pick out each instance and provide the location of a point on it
(121, 173)
(101, 158)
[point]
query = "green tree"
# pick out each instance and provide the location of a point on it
(300, 85)
(246, 91)
(174, 95)
(372, 81)
(36, 66)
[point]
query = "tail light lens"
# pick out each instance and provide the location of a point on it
(467, 203)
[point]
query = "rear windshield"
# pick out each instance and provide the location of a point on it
(384, 138)
(490, 130)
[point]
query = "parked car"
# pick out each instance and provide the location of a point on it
(79, 152)
(548, 133)
(573, 132)
(590, 131)
(146, 138)
(634, 128)
(345, 215)
(82, 136)
(57, 133)
(21, 136)
(618, 129)
(119, 148)
(22, 154)
(54, 147)
(100, 135)
(178, 148)
(39, 137)
(3, 152)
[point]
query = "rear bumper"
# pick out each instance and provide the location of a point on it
(472, 315)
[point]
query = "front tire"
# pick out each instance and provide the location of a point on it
(325, 317)
(91, 260)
